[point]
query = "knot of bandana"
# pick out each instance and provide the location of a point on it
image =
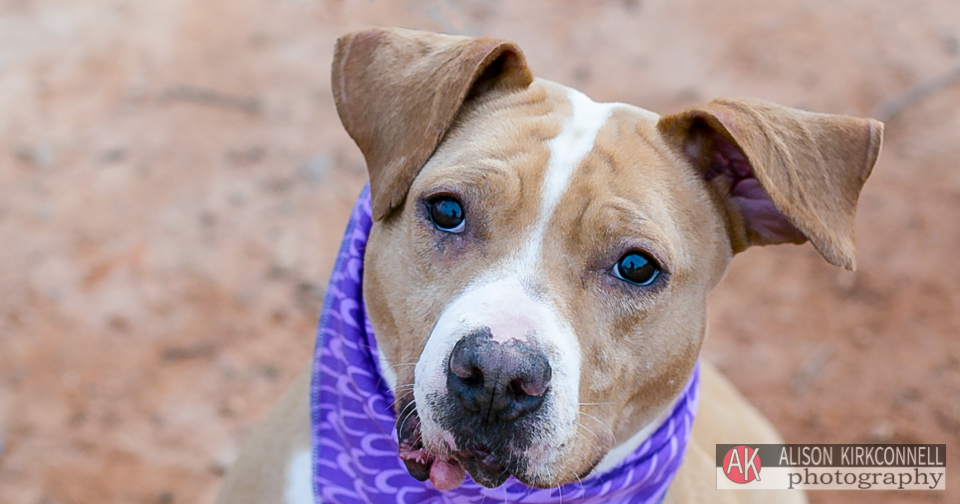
(355, 449)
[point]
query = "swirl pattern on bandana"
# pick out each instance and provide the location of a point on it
(355, 449)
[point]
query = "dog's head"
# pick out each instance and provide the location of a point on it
(538, 271)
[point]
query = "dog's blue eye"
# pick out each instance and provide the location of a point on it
(637, 268)
(447, 214)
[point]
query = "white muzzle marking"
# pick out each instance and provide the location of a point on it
(499, 301)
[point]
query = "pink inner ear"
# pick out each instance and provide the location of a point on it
(765, 224)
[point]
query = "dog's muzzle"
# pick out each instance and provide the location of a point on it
(495, 390)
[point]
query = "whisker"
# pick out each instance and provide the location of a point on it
(605, 426)
(579, 480)
(584, 435)
(404, 389)
(584, 427)
(400, 398)
(402, 417)
(412, 407)
(404, 392)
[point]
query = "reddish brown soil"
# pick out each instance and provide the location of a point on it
(174, 182)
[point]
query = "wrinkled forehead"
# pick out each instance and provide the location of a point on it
(556, 151)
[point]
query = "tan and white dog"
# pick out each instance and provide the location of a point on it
(544, 260)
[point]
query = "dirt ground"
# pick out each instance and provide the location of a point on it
(174, 182)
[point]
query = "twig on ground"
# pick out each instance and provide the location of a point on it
(889, 108)
(811, 367)
(213, 98)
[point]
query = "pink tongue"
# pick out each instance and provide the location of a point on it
(446, 475)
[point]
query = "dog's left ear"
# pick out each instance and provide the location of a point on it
(784, 175)
(397, 92)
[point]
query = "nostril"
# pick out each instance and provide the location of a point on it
(473, 379)
(463, 364)
(522, 388)
(535, 380)
(516, 388)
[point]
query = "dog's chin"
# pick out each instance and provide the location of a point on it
(488, 471)
(445, 468)
(484, 467)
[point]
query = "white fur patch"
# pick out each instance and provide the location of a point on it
(299, 489)
(567, 150)
(496, 301)
(569, 147)
(386, 370)
(622, 450)
(499, 301)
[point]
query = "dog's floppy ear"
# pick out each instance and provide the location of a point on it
(785, 175)
(397, 91)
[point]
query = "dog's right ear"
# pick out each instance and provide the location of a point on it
(784, 175)
(397, 92)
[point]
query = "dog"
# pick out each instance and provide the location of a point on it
(537, 270)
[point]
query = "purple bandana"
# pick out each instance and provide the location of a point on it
(355, 450)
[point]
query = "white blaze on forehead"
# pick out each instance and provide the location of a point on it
(567, 151)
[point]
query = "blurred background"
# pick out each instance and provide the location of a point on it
(174, 182)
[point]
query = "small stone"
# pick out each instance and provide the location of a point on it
(315, 169)
(114, 155)
(846, 281)
(883, 431)
(41, 156)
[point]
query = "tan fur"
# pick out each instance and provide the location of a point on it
(724, 416)
(399, 248)
(395, 120)
(485, 140)
(260, 478)
(816, 187)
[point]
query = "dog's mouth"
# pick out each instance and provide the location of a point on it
(422, 464)
(447, 471)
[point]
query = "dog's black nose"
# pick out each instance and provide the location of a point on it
(497, 382)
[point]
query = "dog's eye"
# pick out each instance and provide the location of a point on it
(637, 268)
(447, 214)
